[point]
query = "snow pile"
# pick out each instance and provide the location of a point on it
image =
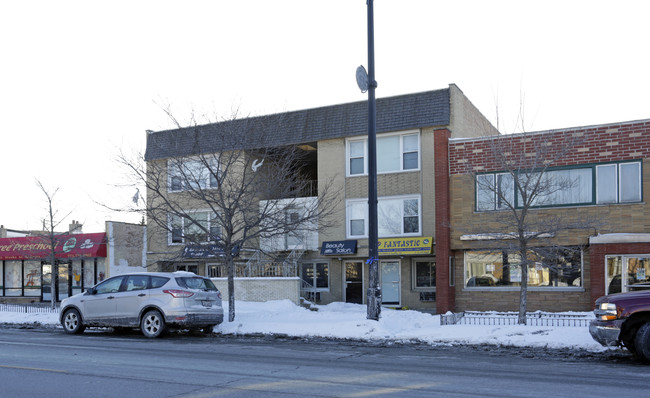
(348, 321)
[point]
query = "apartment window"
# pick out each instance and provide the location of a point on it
(551, 268)
(614, 183)
(357, 157)
(201, 226)
(424, 275)
(395, 217)
(315, 276)
(395, 153)
(192, 174)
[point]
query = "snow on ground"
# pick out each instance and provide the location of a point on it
(348, 321)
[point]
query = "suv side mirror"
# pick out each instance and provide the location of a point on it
(91, 291)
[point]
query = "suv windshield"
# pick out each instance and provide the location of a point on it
(196, 283)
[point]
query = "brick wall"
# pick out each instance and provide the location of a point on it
(605, 143)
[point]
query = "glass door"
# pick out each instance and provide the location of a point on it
(47, 282)
(63, 281)
(353, 282)
(390, 282)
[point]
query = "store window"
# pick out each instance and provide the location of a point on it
(552, 268)
(635, 267)
(32, 281)
(424, 275)
(315, 276)
(13, 278)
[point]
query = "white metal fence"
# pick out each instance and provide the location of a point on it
(29, 308)
(511, 318)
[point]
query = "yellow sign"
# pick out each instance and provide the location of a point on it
(405, 246)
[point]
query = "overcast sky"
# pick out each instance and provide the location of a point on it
(82, 80)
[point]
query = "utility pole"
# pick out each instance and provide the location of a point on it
(374, 290)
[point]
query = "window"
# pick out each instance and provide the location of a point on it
(357, 157)
(187, 267)
(424, 275)
(614, 183)
(293, 238)
(201, 226)
(549, 267)
(395, 217)
(110, 286)
(192, 173)
(315, 276)
(395, 153)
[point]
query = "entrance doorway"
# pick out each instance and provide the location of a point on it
(636, 269)
(61, 281)
(390, 282)
(353, 288)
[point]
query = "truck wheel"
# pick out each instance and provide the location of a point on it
(642, 342)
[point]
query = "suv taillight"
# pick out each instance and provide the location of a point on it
(176, 293)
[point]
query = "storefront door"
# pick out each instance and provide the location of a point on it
(353, 282)
(635, 267)
(390, 282)
(62, 282)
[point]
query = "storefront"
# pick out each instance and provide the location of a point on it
(407, 273)
(26, 269)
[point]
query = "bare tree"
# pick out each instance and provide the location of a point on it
(514, 198)
(243, 182)
(50, 223)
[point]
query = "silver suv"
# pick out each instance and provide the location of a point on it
(152, 301)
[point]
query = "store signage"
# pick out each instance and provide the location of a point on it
(405, 246)
(65, 246)
(339, 248)
(206, 251)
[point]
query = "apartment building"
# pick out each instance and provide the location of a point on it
(412, 150)
(607, 167)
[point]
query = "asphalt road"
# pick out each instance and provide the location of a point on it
(48, 363)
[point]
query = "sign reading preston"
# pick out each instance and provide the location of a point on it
(405, 246)
(339, 248)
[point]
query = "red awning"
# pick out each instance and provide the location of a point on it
(67, 246)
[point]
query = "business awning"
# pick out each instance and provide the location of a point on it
(66, 246)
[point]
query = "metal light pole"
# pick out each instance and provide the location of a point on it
(374, 290)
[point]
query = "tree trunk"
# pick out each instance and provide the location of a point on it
(523, 291)
(231, 288)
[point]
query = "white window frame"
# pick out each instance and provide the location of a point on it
(205, 183)
(401, 136)
(365, 216)
(212, 217)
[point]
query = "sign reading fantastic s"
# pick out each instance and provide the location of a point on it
(405, 246)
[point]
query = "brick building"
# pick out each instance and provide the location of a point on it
(607, 166)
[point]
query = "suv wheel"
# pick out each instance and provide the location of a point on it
(72, 322)
(152, 324)
(642, 342)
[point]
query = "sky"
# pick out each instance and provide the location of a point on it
(348, 321)
(81, 81)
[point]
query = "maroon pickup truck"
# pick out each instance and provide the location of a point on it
(624, 319)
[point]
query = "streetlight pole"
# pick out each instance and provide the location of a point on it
(374, 291)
